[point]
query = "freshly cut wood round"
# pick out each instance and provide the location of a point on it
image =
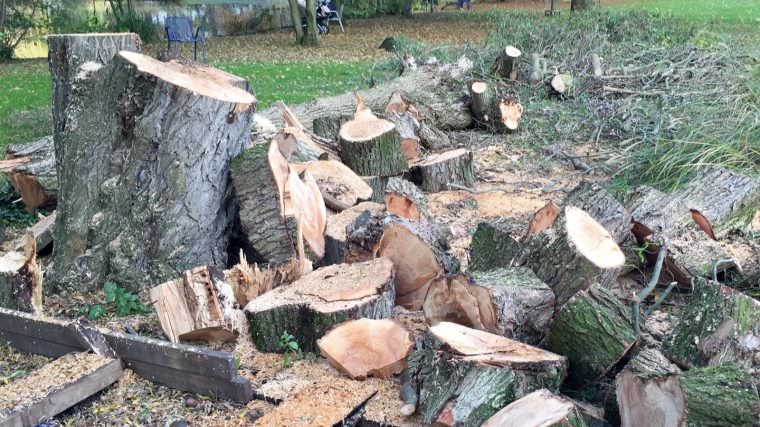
(592, 240)
(510, 112)
(372, 146)
(561, 83)
(541, 408)
(506, 63)
(367, 347)
(437, 171)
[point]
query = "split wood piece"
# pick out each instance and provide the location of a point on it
(367, 348)
(465, 376)
(507, 63)
(378, 184)
(169, 182)
(372, 146)
(67, 53)
(543, 219)
(336, 244)
(437, 171)
(326, 403)
(493, 111)
(537, 69)
(384, 409)
(596, 65)
(576, 253)
(188, 368)
(316, 302)
(56, 387)
(339, 185)
(542, 408)
(561, 84)
(404, 199)
(652, 392)
(493, 246)
(329, 126)
(308, 143)
(407, 126)
(455, 299)
(199, 306)
(292, 147)
(270, 238)
(593, 330)
(716, 322)
(42, 231)
(249, 280)
(31, 170)
(21, 279)
(524, 304)
(398, 104)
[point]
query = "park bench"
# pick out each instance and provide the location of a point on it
(179, 29)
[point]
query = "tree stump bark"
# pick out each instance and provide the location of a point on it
(715, 318)
(593, 330)
(378, 184)
(21, 279)
(36, 179)
(507, 62)
(465, 376)
(537, 69)
(720, 396)
(404, 199)
(313, 304)
(140, 196)
(437, 171)
(336, 243)
(538, 409)
(372, 148)
(492, 247)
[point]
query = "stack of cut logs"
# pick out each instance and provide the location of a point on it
(332, 216)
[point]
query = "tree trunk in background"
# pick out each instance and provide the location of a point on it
(295, 15)
(582, 4)
(407, 10)
(140, 197)
(311, 38)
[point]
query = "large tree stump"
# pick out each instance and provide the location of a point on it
(404, 199)
(372, 146)
(714, 320)
(437, 171)
(593, 330)
(465, 376)
(492, 246)
(34, 173)
(539, 409)
(313, 304)
(21, 279)
(144, 184)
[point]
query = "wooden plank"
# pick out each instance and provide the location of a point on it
(48, 330)
(237, 389)
(66, 397)
(27, 344)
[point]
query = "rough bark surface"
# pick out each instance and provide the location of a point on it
(329, 126)
(37, 180)
(378, 184)
(435, 172)
(336, 243)
(313, 304)
(720, 396)
(140, 197)
(593, 330)
(492, 246)
(524, 304)
(379, 156)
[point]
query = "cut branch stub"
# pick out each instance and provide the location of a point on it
(437, 171)
(507, 62)
(404, 199)
(372, 146)
(367, 347)
(313, 304)
(541, 408)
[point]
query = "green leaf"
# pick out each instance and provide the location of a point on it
(84, 309)
(96, 311)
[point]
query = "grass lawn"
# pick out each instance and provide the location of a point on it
(728, 11)
(25, 89)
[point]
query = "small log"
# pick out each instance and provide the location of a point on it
(336, 243)
(537, 69)
(492, 246)
(482, 99)
(596, 65)
(34, 178)
(465, 376)
(199, 306)
(313, 304)
(538, 409)
(524, 304)
(367, 348)
(492, 111)
(714, 320)
(337, 181)
(21, 279)
(593, 330)
(378, 184)
(371, 146)
(387, 409)
(437, 171)
(407, 126)
(561, 84)
(507, 63)
(404, 199)
(455, 299)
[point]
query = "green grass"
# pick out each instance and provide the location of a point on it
(727, 11)
(25, 93)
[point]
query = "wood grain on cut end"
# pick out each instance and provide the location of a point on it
(592, 240)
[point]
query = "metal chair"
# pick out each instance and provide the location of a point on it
(179, 29)
(336, 15)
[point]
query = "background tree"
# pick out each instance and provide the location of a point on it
(311, 38)
(581, 4)
(295, 15)
(17, 18)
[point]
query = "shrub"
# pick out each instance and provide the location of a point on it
(17, 19)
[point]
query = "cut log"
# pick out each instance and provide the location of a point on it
(408, 127)
(720, 396)
(268, 238)
(537, 69)
(199, 306)
(604, 208)
(561, 84)
(31, 170)
(524, 304)
(159, 204)
(336, 243)
(593, 330)
(507, 63)
(21, 279)
(437, 171)
(482, 100)
(492, 111)
(455, 299)
(404, 199)
(385, 409)
(378, 184)
(541, 408)
(372, 146)
(465, 376)
(316, 302)
(367, 348)
(42, 232)
(492, 246)
(337, 182)
(433, 138)
(714, 320)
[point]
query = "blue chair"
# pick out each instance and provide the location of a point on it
(336, 14)
(179, 29)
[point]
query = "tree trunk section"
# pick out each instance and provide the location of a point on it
(720, 396)
(295, 16)
(507, 63)
(404, 199)
(433, 138)
(437, 171)
(21, 279)
(311, 37)
(379, 155)
(329, 126)
(538, 409)
(593, 330)
(408, 128)
(36, 180)
(309, 307)
(492, 247)
(465, 376)
(141, 197)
